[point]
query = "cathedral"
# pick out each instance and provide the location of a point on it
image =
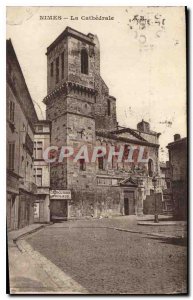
(82, 112)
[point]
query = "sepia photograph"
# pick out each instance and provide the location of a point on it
(96, 150)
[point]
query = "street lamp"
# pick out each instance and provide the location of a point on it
(154, 180)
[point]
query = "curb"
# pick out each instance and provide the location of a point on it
(30, 232)
(149, 223)
(148, 233)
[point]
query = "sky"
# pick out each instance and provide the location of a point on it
(143, 59)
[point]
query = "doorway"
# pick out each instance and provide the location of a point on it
(129, 203)
(58, 210)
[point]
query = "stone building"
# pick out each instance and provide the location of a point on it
(178, 169)
(41, 172)
(21, 116)
(165, 176)
(82, 112)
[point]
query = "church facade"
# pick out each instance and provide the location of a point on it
(82, 112)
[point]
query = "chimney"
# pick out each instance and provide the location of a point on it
(143, 126)
(177, 137)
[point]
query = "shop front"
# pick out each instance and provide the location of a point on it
(59, 204)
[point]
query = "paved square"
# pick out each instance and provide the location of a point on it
(105, 260)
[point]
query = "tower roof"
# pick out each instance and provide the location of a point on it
(89, 38)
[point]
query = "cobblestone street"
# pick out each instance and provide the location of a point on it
(104, 260)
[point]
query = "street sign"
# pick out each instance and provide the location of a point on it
(60, 194)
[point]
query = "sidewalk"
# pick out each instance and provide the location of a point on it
(164, 220)
(32, 273)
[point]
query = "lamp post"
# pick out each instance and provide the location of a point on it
(154, 180)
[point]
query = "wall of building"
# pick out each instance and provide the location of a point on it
(20, 118)
(21, 177)
(42, 200)
(87, 182)
(95, 202)
(178, 169)
(178, 161)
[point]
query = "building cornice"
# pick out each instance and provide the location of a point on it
(109, 135)
(66, 88)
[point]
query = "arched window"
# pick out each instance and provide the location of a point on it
(84, 61)
(150, 168)
(100, 160)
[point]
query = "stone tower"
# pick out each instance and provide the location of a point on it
(78, 103)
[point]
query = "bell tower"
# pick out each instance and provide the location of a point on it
(78, 105)
(71, 97)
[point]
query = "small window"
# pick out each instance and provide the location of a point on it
(82, 165)
(84, 61)
(11, 156)
(57, 69)
(11, 111)
(114, 165)
(40, 128)
(38, 176)
(109, 107)
(101, 163)
(168, 184)
(38, 150)
(52, 69)
(150, 168)
(62, 62)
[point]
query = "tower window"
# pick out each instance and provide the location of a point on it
(57, 69)
(84, 61)
(52, 69)
(62, 62)
(109, 107)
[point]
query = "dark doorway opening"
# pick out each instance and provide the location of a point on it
(58, 210)
(129, 203)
